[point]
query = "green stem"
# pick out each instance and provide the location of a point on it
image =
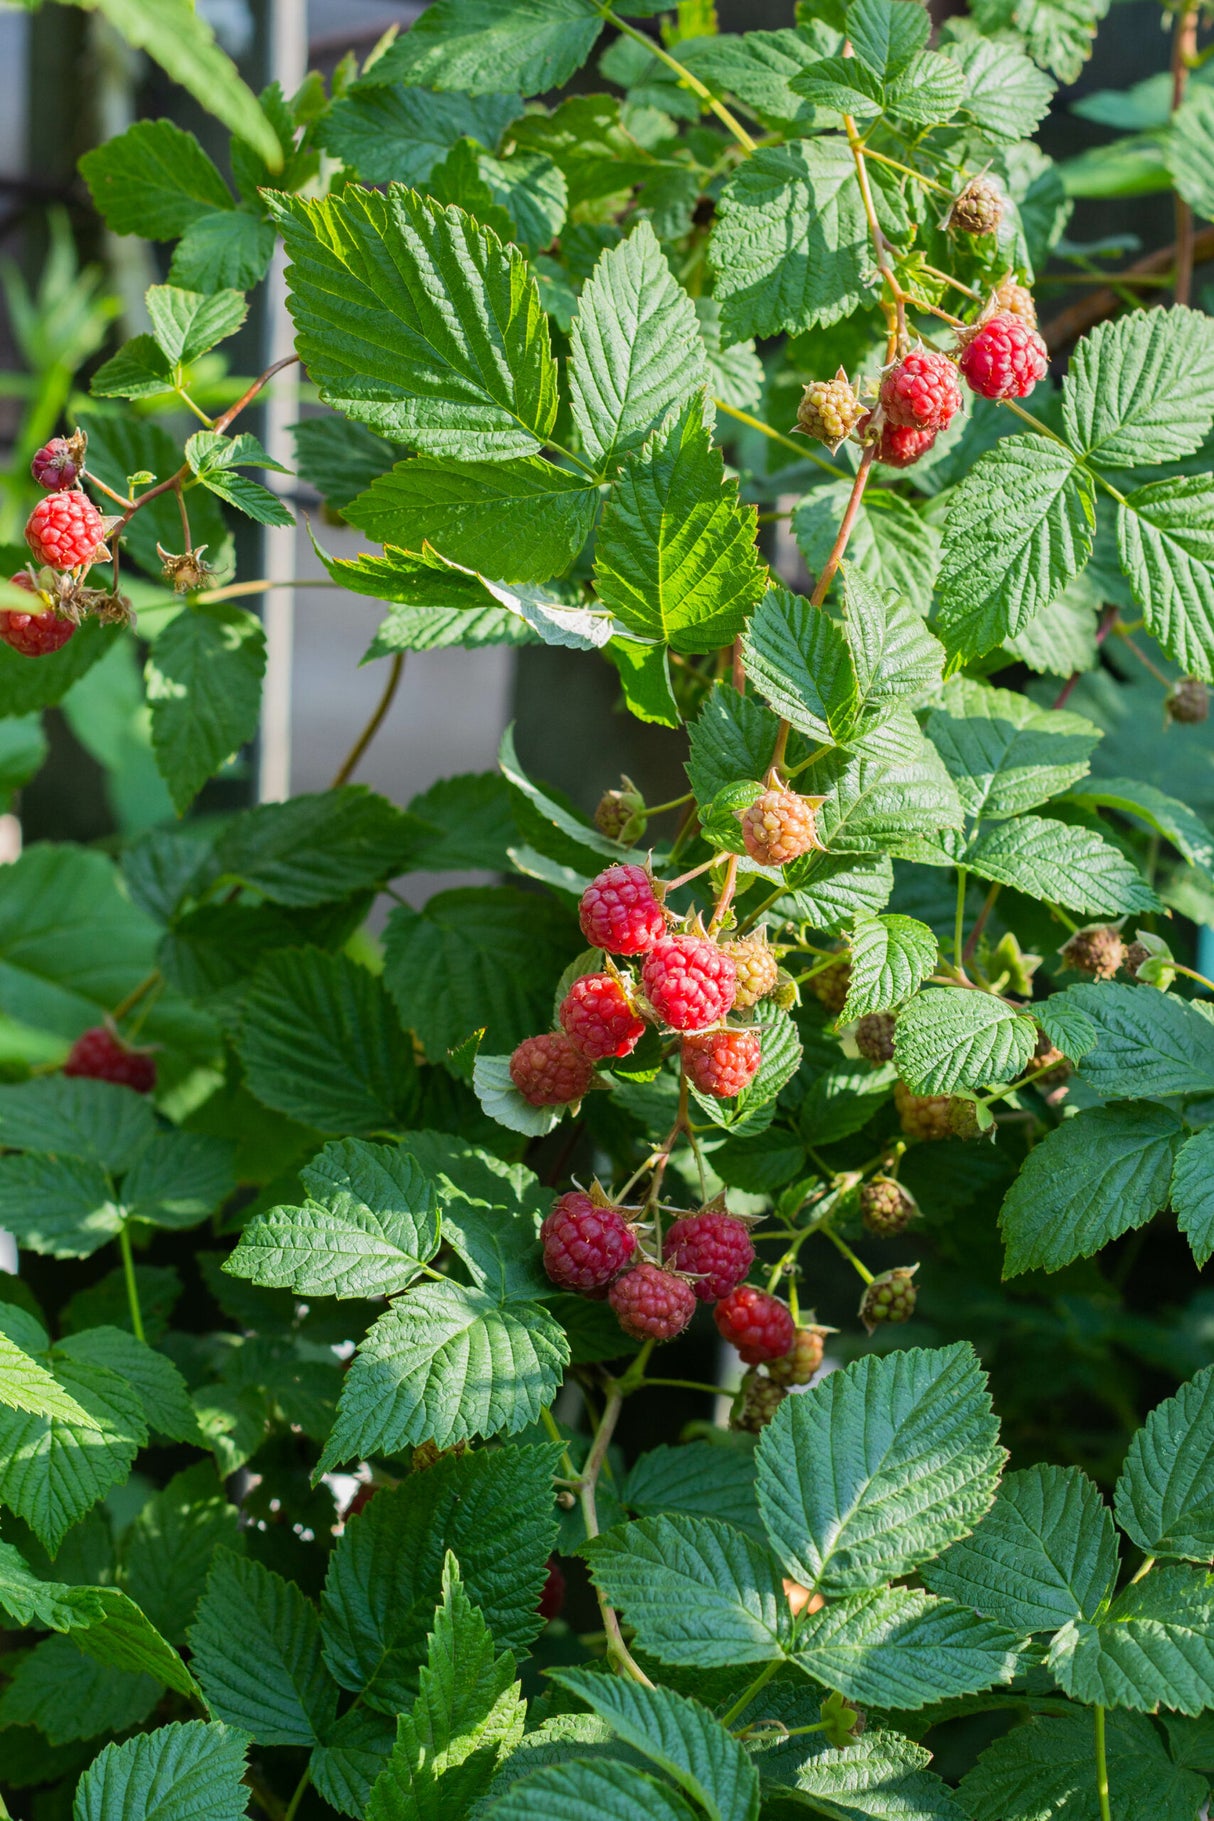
(1192, 974)
(657, 50)
(686, 1384)
(959, 919)
(750, 1691)
(546, 1417)
(785, 442)
(840, 1245)
(132, 1287)
(659, 809)
(351, 762)
(135, 995)
(1148, 1561)
(1025, 1081)
(1102, 1769)
(929, 183)
(298, 1796)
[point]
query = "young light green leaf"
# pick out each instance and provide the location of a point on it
(1044, 1770)
(898, 1648)
(256, 1652)
(1020, 526)
(444, 1364)
(1005, 754)
(948, 1038)
(192, 1768)
(797, 657)
(493, 1509)
(1165, 533)
(675, 559)
(879, 1777)
(915, 1465)
(1165, 1496)
(637, 351)
(1045, 1553)
(154, 180)
(1074, 867)
(1096, 1176)
(189, 323)
(520, 521)
(1006, 94)
(1192, 1194)
(204, 689)
(1141, 390)
(47, 1605)
(696, 1590)
(1154, 1647)
(372, 281)
(1147, 1045)
(138, 370)
(532, 46)
(371, 1222)
(682, 1738)
(890, 957)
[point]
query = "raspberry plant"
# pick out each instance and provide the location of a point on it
(357, 1438)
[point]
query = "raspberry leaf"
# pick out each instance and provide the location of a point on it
(192, 1769)
(138, 370)
(1045, 1767)
(64, 1206)
(1188, 149)
(532, 46)
(700, 1479)
(1174, 820)
(256, 1651)
(899, 1648)
(1074, 867)
(1098, 1175)
(154, 180)
(1146, 1044)
(581, 1789)
(1006, 94)
(1165, 534)
(1165, 1496)
(316, 849)
(67, 1116)
(873, 802)
(26, 1385)
(916, 1463)
(1045, 1553)
(1141, 390)
(179, 1179)
(829, 892)
(168, 1551)
(883, 1772)
(890, 958)
(893, 548)
(949, 1038)
(204, 686)
(732, 737)
(1153, 1645)
(189, 323)
(798, 658)
(350, 1757)
(55, 1468)
(1057, 33)
(69, 1696)
(637, 350)
(1193, 1194)
(1019, 528)
(389, 133)
(1005, 754)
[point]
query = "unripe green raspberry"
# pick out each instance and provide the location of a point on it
(889, 1298)
(620, 814)
(923, 1116)
(875, 1036)
(798, 1365)
(756, 967)
(756, 1403)
(978, 209)
(886, 1208)
(1097, 951)
(830, 987)
(829, 410)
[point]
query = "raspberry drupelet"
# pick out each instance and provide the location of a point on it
(689, 982)
(66, 531)
(550, 1070)
(620, 912)
(713, 1249)
(598, 1015)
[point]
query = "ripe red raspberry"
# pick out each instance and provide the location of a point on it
(722, 1063)
(885, 1207)
(899, 446)
(550, 1071)
(756, 968)
(34, 635)
(102, 1056)
(756, 1324)
(829, 410)
(779, 826)
(889, 1298)
(585, 1246)
(620, 911)
(1017, 300)
(922, 391)
(651, 1304)
(553, 1596)
(798, 1365)
(1005, 358)
(874, 1035)
(58, 464)
(597, 1014)
(689, 982)
(712, 1248)
(66, 530)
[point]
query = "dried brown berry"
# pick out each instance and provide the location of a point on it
(875, 1036)
(889, 1298)
(1136, 953)
(1188, 702)
(1048, 1056)
(886, 1208)
(1097, 951)
(830, 987)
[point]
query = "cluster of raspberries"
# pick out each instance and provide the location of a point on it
(688, 984)
(64, 531)
(593, 1248)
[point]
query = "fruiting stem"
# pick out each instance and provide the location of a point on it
(1184, 49)
(659, 809)
(986, 1100)
(119, 499)
(247, 397)
(929, 183)
(554, 1434)
(959, 919)
(848, 525)
(189, 404)
(728, 886)
(1102, 1768)
(684, 1384)
(945, 277)
(841, 1245)
(659, 51)
(185, 518)
(1192, 974)
(880, 250)
(234, 590)
(136, 993)
(686, 878)
(988, 905)
(298, 1795)
(750, 1691)
(1145, 661)
(617, 1650)
(350, 764)
(132, 1287)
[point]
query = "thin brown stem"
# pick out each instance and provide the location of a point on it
(353, 758)
(1184, 50)
(617, 1650)
(847, 527)
(247, 397)
(1085, 312)
(727, 891)
(897, 332)
(980, 920)
(738, 666)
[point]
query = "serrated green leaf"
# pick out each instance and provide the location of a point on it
(879, 1777)
(230, 248)
(1096, 1176)
(637, 351)
(53, 1470)
(892, 547)
(833, 892)
(519, 521)
(948, 1038)
(1074, 867)
(886, 34)
(373, 283)
(1043, 1771)
(192, 1768)
(1146, 1044)
(754, 66)
(501, 1100)
(798, 659)
(67, 1695)
(204, 689)
(493, 1509)
(179, 1179)
(138, 370)
(320, 1042)
(1168, 817)
(74, 1116)
(122, 1638)
(151, 1375)
(699, 1479)
(188, 323)
(1188, 149)
(1006, 95)
(370, 1223)
(1154, 1647)
(167, 1552)
(896, 658)
(732, 737)
(1058, 34)
(1165, 1496)
(589, 1790)
(1138, 390)
(316, 849)
(890, 958)
(255, 1646)
(1045, 1553)
(249, 497)
(680, 1736)
(472, 44)
(353, 1753)
(1165, 535)
(1192, 1194)
(1003, 752)
(64, 1206)
(675, 559)
(915, 1465)
(874, 802)
(696, 1590)
(154, 180)
(1019, 528)
(391, 133)
(898, 1648)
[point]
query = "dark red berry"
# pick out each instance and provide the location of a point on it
(760, 1327)
(101, 1056)
(550, 1070)
(553, 1596)
(598, 1014)
(651, 1304)
(713, 1249)
(59, 463)
(620, 911)
(585, 1245)
(722, 1063)
(34, 635)
(689, 982)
